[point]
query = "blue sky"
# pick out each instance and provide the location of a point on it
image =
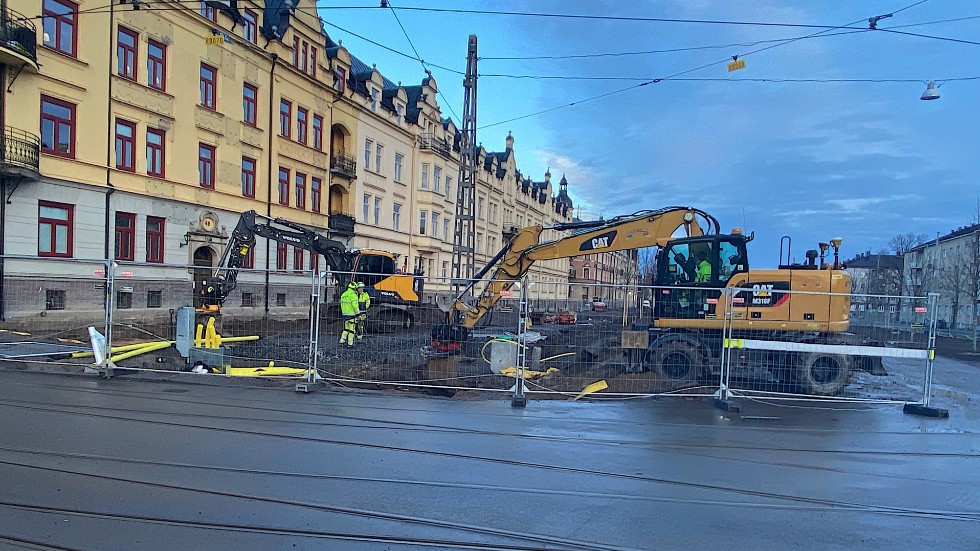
(862, 161)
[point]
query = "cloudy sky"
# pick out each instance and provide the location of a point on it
(813, 160)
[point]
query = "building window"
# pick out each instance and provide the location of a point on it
(285, 118)
(298, 260)
(437, 179)
(425, 175)
(156, 65)
(296, 51)
(422, 218)
(284, 186)
(249, 260)
(155, 228)
(396, 216)
(54, 299)
(57, 127)
(315, 185)
(301, 191)
(302, 120)
(377, 211)
(248, 177)
(315, 262)
(250, 98)
(205, 165)
(365, 207)
(124, 300)
(449, 187)
(339, 80)
(445, 229)
(303, 58)
(209, 12)
(54, 229)
(399, 159)
(248, 300)
(379, 152)
(312, 62)
(155, 152)
(280, 299)
(125, 145)
(125, 236)
(250, 25)
(479, 208)
(317, 132)
(281, 256)
(60, 26)
(154, 299)
(435, 224)
(367, 154)
(479, 242)
(209, 79)
(126, 53)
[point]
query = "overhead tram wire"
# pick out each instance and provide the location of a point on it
(944, 38)
(658, 80)
(424, 66)
(723, 79)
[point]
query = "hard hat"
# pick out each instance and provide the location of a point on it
(360, 285)
(352, 285)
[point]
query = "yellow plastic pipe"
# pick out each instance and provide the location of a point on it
(240, 339)
(123, 348)
(138, 351)
(197, 336)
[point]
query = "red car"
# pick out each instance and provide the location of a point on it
(598, 305)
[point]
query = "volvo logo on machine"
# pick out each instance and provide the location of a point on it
(601, 241)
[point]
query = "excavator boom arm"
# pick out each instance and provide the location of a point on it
(633, 231)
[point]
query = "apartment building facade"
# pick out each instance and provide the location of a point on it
(948, 265)
(141, 135)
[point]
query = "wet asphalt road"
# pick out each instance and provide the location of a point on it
(135, 464)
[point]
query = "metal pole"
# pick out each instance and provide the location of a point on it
(110, 268)
(927, 383)
(520, 399)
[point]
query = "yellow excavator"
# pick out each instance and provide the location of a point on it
(688, 314)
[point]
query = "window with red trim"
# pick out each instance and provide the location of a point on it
(156, 157)
(295, 51)
(249, 260)
(209, 12)
(248, 177)
(314, 262)
(301, 190)
(125, 145)
(250, 98)
(284, 186)
(281, 256)
(315, 186)
(57, 127)
(318, 132)
(156, 65)
(127, 44)
(125, 236)
(298, 259)
(285, 118)
(155, 238)
(205, 165)
(302, 123)
(209, 80)
(312, 61)
(303, 60)
(55, 228)
(250, 26)
(60, 26)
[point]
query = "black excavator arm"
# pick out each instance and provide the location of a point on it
(225, 277)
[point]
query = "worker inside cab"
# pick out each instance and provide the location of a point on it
(702, 270)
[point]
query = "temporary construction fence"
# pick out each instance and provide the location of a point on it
(539, 340)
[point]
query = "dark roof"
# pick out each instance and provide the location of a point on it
(412, 111)
(960, 232)
(875, 261)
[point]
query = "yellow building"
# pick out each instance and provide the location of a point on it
(142, 134)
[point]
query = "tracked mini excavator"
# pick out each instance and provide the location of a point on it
(393, 293)
(807, 302)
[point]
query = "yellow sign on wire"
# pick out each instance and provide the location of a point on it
(736, 65)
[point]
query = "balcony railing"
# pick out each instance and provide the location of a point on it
(341, 223)
(343, 164)
(436, 144)
(21, 150)
(19, 36)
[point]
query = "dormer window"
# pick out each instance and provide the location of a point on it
(339, 80)
(374, 99)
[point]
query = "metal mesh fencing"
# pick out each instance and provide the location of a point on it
(784, 344)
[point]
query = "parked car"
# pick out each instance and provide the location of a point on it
(567, 317)
(598, 305)
(646, 303)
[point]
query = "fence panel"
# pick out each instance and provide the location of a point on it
(786, 344)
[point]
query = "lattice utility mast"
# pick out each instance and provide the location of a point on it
(464, 235)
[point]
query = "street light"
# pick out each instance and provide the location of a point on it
(931, 91)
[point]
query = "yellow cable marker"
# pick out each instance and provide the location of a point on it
(594, 387)
(146, 348)
(197, 336)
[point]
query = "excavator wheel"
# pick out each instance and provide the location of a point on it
(677, 361)
(821, 374)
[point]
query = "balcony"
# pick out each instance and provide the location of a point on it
(340, 223)
(18, 41)
(19, 153)
(440, 146)
(343, 164)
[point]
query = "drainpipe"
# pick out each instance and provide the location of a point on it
(110, 189)
(268, 196)
(3, 180)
